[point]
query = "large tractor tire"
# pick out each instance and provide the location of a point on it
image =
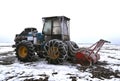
(72, 50)
(25, 51)
(56, 51)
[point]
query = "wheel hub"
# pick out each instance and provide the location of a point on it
(22, 51)
(53, 52)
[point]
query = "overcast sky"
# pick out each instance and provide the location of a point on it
(91, 20)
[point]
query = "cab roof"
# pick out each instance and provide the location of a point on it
(52, 17)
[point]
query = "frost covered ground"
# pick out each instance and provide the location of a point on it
(107, 69)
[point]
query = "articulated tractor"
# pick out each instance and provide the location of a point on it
(54, 44)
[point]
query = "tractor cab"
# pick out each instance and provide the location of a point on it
(56, 27)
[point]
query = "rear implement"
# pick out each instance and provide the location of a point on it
(89, 56)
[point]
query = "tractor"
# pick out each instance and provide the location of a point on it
(53, 43)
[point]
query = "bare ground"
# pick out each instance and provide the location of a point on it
(98, 70)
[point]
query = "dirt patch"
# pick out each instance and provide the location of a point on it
(98, 71)
(101, 72)
(104, 63)
(115, 49)
(6, 53)
(40, 79)
(113, 58)
(46, 77)
(7, 60)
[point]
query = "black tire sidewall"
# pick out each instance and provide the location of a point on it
(30, 51)
(62, 51)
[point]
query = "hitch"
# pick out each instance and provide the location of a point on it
(89, 56)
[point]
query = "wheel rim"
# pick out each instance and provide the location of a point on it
(22, 51)
(56, 51)
(53, 52)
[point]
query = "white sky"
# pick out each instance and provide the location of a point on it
(91, 20)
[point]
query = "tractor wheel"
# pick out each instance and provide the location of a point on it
(25, 51)
(56, 51)
(72, 48)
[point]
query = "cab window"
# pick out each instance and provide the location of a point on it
(47, 27)
(56, 27)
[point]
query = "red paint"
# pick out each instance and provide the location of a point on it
(87, 56)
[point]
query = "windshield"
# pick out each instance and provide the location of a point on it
(47, 27)
(52, 27)
(56, 27)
